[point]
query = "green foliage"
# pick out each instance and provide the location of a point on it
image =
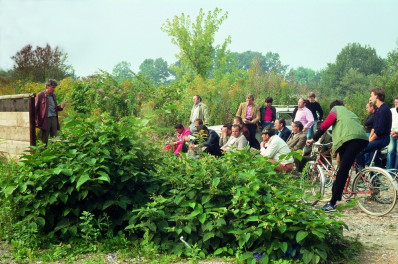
(305, 76)
(122, 71)
(268, 63)
(222, 208)
(102, 167)
(195, 41)
(389, 78)
(158, 70)
(352, 64)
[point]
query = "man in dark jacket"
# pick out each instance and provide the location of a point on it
(316, 111)
(282, 131)
(267, 113)
(46, 111)
(368, 123)
(208, 141)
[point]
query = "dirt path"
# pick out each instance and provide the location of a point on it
(379, 235)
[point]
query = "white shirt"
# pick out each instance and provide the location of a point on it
(276, 147)
(394, 124)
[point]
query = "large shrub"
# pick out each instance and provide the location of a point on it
(235, 205)
(99, 166)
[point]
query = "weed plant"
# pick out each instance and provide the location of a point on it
(238, 206)
(103, 187)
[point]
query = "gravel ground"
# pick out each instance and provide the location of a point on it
(379, 235)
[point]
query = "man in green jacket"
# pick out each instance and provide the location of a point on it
(349, 139)
(199, 111)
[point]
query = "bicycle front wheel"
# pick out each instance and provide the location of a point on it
(313, 184)
(375, 191)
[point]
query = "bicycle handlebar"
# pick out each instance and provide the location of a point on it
(317, 144)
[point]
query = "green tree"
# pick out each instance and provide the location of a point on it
(5, 73)
(270, 62)
(305, 76)
(40, 64)
(122, 71)
(195, 41)
(389, 77)
(363, 60)
(158, 70)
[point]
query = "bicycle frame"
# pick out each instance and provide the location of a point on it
(374, 189)
(330, 170)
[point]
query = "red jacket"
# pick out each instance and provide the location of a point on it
(41, 110)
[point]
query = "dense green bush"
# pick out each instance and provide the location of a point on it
(235, 205)
(99, 166)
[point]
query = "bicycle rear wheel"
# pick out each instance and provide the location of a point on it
(374, 188)
(313, 183)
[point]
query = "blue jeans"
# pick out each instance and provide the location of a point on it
(372, 146)
(264, 124)
(392, 155)
(312, 130)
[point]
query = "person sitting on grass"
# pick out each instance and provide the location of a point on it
(181, 133)
(243, 129)
(207, 141)
(226, 132)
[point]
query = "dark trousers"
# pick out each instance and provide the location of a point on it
(253, 142)
(348, 151)
(51, 129)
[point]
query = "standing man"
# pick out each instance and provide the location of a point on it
(314, 107)
(46, 111)
(281, 130)
(304, 115)
(392, 156)
(380, 134)
(199, 111)
(250, 114)
(267, 113)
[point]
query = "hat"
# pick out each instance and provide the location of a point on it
(268, 130)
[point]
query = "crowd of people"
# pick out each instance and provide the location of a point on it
(241, 132)
(352, 140)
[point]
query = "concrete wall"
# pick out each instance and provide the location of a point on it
(16, 122)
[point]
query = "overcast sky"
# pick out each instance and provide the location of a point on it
(97, 34)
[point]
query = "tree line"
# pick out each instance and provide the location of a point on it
(221, 76)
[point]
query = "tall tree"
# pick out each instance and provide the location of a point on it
(195, 41)
(158, 70)
(305, 76)
(122, 70)
(362, 60)
(389, 77)
(268, 63)
(40, 64)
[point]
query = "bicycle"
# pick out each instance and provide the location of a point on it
(374, 188)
